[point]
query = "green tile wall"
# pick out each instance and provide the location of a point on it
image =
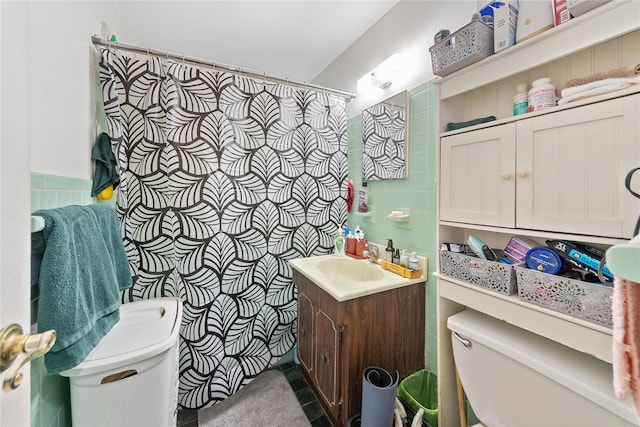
(50, 400)
(417, 192)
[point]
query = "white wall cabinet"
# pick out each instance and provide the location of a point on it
(477, 184)
(554, 174)
(557, 172)
(571, 166)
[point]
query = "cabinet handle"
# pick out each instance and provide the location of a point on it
(522, 174)
(324, 355)
(505, 175)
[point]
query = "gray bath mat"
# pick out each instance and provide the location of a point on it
(266, 401)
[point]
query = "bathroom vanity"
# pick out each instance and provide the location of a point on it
(352, 315)
(551, 174)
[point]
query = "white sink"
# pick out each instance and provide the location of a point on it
(348, 269)
(345, 278)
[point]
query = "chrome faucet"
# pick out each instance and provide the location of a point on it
(372, 254)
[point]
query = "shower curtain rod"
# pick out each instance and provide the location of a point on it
(210, 64)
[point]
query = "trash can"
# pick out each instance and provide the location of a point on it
(131, 377)
(420, 390)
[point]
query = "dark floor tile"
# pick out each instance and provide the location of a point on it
(292, 374)
(305, 396)
(187, 418)
(323, 421)
(298, 384)
(313, 410)
(288, 365)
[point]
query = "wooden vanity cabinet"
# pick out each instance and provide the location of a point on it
(337, 340)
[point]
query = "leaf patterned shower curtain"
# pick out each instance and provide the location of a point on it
(223, 179)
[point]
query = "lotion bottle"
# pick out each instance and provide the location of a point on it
(339, 243)
(413, 262)
(404, 259)
(520, 100)
(388, 252)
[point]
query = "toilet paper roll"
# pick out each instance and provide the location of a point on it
(378, 397)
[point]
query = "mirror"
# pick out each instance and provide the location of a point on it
(384, 130)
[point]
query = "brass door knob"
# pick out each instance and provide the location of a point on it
(17, 349)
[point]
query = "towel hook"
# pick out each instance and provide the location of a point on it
(627, 184)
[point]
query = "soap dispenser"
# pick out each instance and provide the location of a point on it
(339, 244)
(388, 252)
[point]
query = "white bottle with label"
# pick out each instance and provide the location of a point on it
(340, 243)
(404, 259)
(520, 100)
(542, 95)
(413, 262)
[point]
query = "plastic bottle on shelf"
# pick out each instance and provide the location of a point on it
(542, 95)
(404, 259)
(413, 262)
(339, 246)
(396, 256)
(520, 100)
(363, 203)
(388, 252)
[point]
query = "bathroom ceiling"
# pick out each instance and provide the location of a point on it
(288, 39)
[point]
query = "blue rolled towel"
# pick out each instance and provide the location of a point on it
(83, 269)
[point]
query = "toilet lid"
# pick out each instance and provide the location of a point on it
(145, 328)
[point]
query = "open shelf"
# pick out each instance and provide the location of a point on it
(608, 21)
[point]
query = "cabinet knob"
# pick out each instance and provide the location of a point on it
(522, 174)
(505, 175)
(303, 331)
(324, 355)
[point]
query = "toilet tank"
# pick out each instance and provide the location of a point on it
(513, 377)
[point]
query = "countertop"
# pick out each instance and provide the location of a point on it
(341, 287)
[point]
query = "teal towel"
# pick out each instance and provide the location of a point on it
(83, 269)
(106, 171)
(460, 125)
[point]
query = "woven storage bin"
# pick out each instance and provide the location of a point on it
(588, 301)
(469, 44)
(480, 272)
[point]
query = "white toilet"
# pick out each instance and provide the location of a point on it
(515, 378)
(131, 377)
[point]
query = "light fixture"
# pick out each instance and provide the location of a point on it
(391, 70)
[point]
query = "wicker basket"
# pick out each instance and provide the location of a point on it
(587, 301)
(469, 44)
(404, 272)
(491, 275)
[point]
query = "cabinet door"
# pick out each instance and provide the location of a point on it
(571, 167)
(477, 177)
(305, 331)
(326, 360)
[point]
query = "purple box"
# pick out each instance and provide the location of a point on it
(517, 248)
